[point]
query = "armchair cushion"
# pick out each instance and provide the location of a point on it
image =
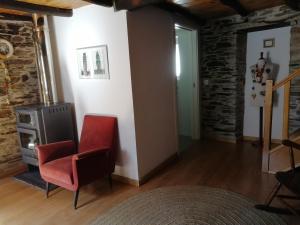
(59, 171)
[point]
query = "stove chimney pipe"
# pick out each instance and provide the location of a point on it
(44, 61)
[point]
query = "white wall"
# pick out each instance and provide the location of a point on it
(279, 55)
(152, 56)
(95, 25)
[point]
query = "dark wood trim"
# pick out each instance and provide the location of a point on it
(5, 16)
(178, 9)
(162, 4)
(236, 6)
(131, 5)
(265, 27)
(125, 180)
(105, 3)
(293, 4)
(34, 8)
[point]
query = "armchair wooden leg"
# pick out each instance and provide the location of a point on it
(76, 193)
(110, 180)
(47, 189)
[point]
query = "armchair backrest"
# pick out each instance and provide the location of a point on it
(98, 132)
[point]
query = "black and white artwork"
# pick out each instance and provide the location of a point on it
(84, 64)
(93, 62)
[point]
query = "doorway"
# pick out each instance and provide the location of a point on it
(187, 86)
(278, 54)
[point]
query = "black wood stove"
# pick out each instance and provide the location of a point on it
(42, 124)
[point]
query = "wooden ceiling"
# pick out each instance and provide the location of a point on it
(214, 8)
(61, 4)
(66, 4)
(202, 9)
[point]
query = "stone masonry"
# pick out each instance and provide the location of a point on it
(223, 64)
(22, 89)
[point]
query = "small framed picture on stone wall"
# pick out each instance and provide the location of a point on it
(93, 62)
(269, 43)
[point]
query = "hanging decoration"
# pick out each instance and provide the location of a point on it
(6, 51)
(260, 72)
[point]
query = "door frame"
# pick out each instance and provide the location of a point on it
(196, 117)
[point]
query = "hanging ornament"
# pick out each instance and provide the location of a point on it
(4, 85)
(6, 49)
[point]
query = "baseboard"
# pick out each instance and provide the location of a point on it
(232, 140)
(149, 175)
(125, 180)
(173, 158)
(250, 138)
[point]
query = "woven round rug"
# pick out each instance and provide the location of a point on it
(187, 205)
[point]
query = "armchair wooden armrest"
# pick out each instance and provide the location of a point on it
(49, 152)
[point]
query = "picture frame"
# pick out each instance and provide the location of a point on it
(269, 43)
(93, 62)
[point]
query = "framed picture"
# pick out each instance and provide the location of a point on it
(269, 43)
(93, 62)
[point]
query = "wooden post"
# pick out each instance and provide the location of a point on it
(286, 110)
(268, 109)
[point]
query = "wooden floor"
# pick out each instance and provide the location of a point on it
(216, 164)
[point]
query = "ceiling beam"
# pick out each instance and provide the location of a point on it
(162, 4)
(34, 8)
(293, 4)
(134, 4)
(6, 16)
(105, 3)
(180, 10)
(236, 6)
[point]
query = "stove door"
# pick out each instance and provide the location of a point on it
(28, 139)
(27, 119)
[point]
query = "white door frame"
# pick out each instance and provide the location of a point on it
(196, 90)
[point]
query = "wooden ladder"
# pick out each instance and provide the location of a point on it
(276, 158)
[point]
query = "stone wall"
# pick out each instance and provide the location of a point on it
(22, 89)
(294, 116)
(223, 59)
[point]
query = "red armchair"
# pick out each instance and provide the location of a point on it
(64, 165)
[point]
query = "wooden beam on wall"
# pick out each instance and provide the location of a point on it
(236, 5)
(5, 16)
(34, 8)
(293, 4)
(105, 3)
